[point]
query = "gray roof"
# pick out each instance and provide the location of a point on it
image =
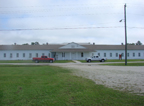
(29, 47)
(73, 50)
(56, 47)
(115, 47)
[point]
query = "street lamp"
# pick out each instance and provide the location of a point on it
(125, 33)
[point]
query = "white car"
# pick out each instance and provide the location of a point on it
(95, 58)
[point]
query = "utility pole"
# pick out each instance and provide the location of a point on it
(125, 34)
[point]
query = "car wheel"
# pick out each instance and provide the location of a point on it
(36, 61)
(51, 61)
(89, 60)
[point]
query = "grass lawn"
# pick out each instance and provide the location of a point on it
(16, 61)
(49, 85)
(30, 61)
(123, 64)
(129, 60)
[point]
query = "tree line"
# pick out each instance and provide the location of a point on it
(37, 43)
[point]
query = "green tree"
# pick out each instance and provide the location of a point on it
(138, 43)
(130, 43)
(34, 43)
(25, 44)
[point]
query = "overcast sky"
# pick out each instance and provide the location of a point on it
(65, 21)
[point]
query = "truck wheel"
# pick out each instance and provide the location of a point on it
(89, 60)
(36, 61)
(102, 60)
(51, 61)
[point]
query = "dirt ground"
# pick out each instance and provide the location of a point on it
(129, 78)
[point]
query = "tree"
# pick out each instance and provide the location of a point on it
(138, 43)
(25, 44)
(34, 43)
(130, 43)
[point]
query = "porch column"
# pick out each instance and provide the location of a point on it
(76, 56)
(70, 56)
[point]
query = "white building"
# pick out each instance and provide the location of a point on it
(70, 51)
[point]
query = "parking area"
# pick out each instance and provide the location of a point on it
(129, 78)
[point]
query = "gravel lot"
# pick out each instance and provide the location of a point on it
(129, 78)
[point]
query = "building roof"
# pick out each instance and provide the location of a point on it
(29, 47)
(115, 47)
(73, 50)
(55, 48)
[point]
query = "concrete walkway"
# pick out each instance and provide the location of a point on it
(76, 61)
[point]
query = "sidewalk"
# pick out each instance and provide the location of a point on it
(76, 61)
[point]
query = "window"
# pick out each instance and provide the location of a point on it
(49, 55)
(133, 54)
(63, 54)
(30, 55)
(139, 54)
(82, 54)
(98, 54)
(92, 54)
(122, 54)
(127, 54)
(116, 54)
(110, 54)
(36, 54)
(43, 54)
(104, 54)
(4, 54)
(17, 55)
(10, 55)
(23, 54)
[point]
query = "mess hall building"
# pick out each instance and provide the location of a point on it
(69, 51)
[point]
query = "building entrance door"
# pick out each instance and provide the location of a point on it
(73, 56)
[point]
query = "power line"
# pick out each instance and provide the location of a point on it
(48, 10)
(136, 27)
(59, 15)
(60, 5)
(66, 28)
(89, 14)
(59, 28)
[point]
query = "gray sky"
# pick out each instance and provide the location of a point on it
(63, 21)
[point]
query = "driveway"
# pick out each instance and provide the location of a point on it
(129, 78)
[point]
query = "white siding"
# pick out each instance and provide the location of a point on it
(110, 54)
(113, 52)
(72, 56)
(21, 53)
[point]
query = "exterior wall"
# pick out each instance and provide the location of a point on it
(111, 54)
(72, 56)
(22, 54)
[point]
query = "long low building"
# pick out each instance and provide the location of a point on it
(70, 51)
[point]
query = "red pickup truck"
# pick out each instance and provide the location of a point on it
(43, 58)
